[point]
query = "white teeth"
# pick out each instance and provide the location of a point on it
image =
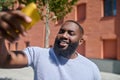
(63, 43)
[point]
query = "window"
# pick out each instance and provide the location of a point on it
(81, 12)
(109, 49)
(109, 7)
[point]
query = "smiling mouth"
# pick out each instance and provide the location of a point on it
(63, 43)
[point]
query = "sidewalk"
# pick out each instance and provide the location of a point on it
(110, 76)
(16, 74)
(27, 74)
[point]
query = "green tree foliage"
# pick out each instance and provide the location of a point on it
(61, 7)
(57, 8)
(5, 4)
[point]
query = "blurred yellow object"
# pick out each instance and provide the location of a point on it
(31, 11)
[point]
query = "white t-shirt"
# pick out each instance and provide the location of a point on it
(48, 66)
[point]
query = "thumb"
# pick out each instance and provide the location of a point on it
(21, 6)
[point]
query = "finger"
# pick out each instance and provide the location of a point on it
(1, 34)
(21, 6)
(3, 24)
(10, 39)
(8, 31)
(15, 14)
(7, 35)
(15, 25)
(13, 22)
(21, 16)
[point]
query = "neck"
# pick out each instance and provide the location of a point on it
(72, 56)
(69, 56)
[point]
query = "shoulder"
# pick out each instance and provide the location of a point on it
(34, 52)
(87, 61)
(92, 66)
(35, 49)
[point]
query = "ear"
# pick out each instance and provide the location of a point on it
(81, 41)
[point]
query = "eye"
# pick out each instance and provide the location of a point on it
(72, 33)
(61, 31)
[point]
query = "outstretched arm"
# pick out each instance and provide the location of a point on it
(11, 29)
(9, 59)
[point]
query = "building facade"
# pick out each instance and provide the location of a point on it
(100, 20)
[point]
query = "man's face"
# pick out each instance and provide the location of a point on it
(67, 39)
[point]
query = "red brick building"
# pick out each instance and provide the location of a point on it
(101, 22)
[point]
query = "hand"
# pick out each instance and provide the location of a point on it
(10, 25)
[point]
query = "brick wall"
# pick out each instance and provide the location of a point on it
(99, 30)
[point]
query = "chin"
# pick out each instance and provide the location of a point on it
(62, 49)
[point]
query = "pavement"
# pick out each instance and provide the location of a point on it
(27, 74)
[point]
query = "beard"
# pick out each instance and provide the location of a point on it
(68, 51)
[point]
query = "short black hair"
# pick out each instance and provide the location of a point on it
(80, 27)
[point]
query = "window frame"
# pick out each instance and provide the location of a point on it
(109, 9)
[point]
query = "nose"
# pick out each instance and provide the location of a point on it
(65, 35)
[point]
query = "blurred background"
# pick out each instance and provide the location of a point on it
(100, 20)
